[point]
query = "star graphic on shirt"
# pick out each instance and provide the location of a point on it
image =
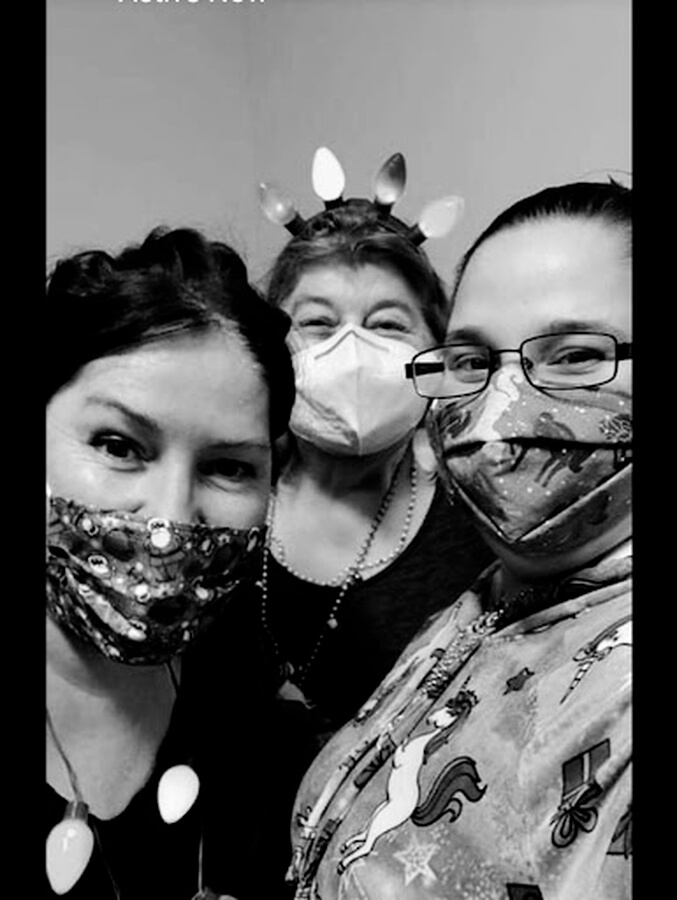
(415, 859)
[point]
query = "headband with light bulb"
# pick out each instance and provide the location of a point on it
(435, 220)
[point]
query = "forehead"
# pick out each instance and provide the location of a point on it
(524, 279)
(202, 387)
(346, 285)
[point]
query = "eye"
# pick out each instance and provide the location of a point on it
(228, 469)
(315, 322)
(118, 447)
(399, 327)
(470, 361)
(467, 362)
(389, 323)
(315, 325)
(576, 357)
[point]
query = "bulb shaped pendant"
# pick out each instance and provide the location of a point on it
(177, 791)
(69, 848)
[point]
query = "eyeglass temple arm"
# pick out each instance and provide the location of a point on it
(422, 368)
(623, 351)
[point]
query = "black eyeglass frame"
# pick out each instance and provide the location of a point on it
(623, 351)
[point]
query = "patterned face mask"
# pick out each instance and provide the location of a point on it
(542, 473)
(140, 590)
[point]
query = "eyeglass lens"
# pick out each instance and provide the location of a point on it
(557, 361)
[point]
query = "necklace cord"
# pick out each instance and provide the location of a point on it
(77, 792)
(173, 678)
(70, 771)
(75, 786)
(200, 880)
(105, 861)
(350, 575)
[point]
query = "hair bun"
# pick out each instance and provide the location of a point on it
(82, 275)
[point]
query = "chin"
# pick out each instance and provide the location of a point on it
(546, 565)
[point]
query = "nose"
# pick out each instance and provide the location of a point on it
(501, 366)
(499, 362)
(170, 492)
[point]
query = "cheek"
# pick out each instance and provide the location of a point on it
(623, 380)
(244, 509)
(68, 469)
(74, 471)
(423, 338)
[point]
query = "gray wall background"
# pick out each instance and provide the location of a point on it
(172, 112)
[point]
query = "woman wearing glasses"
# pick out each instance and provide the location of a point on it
(495, 758)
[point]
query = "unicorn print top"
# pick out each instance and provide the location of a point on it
(493, 763)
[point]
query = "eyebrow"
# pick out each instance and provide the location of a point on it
(139, 419)
(151, 426)
(238, 446)
(387, 304)
(557, 326)
(309, 298)
(329, 303)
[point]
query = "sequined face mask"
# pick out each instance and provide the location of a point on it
(140, 590)
(542, 473)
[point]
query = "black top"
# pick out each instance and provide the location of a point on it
(221, 727)
(144, 856)
(376, 621)
(378, 616)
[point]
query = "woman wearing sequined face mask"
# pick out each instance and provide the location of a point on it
(350, 566)
(495, 759)
(169, 381)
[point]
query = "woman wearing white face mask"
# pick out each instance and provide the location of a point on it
(351, 569)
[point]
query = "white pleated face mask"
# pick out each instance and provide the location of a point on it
(352, 398)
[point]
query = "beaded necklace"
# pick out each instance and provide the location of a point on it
(295, 677)
(337, 580)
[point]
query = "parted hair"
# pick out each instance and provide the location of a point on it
(357, 234)
(175, 282)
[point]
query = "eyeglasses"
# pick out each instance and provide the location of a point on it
(554, 362)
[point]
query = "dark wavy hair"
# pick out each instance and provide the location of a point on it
(357, 234)
(609, 202)
(176, 282)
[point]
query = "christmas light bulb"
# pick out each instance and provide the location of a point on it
(177, 791)
(279, 208)
(440, 216)
(328, 177)
(390, 180)
(69, 848)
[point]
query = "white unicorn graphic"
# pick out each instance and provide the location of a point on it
(403, 790)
